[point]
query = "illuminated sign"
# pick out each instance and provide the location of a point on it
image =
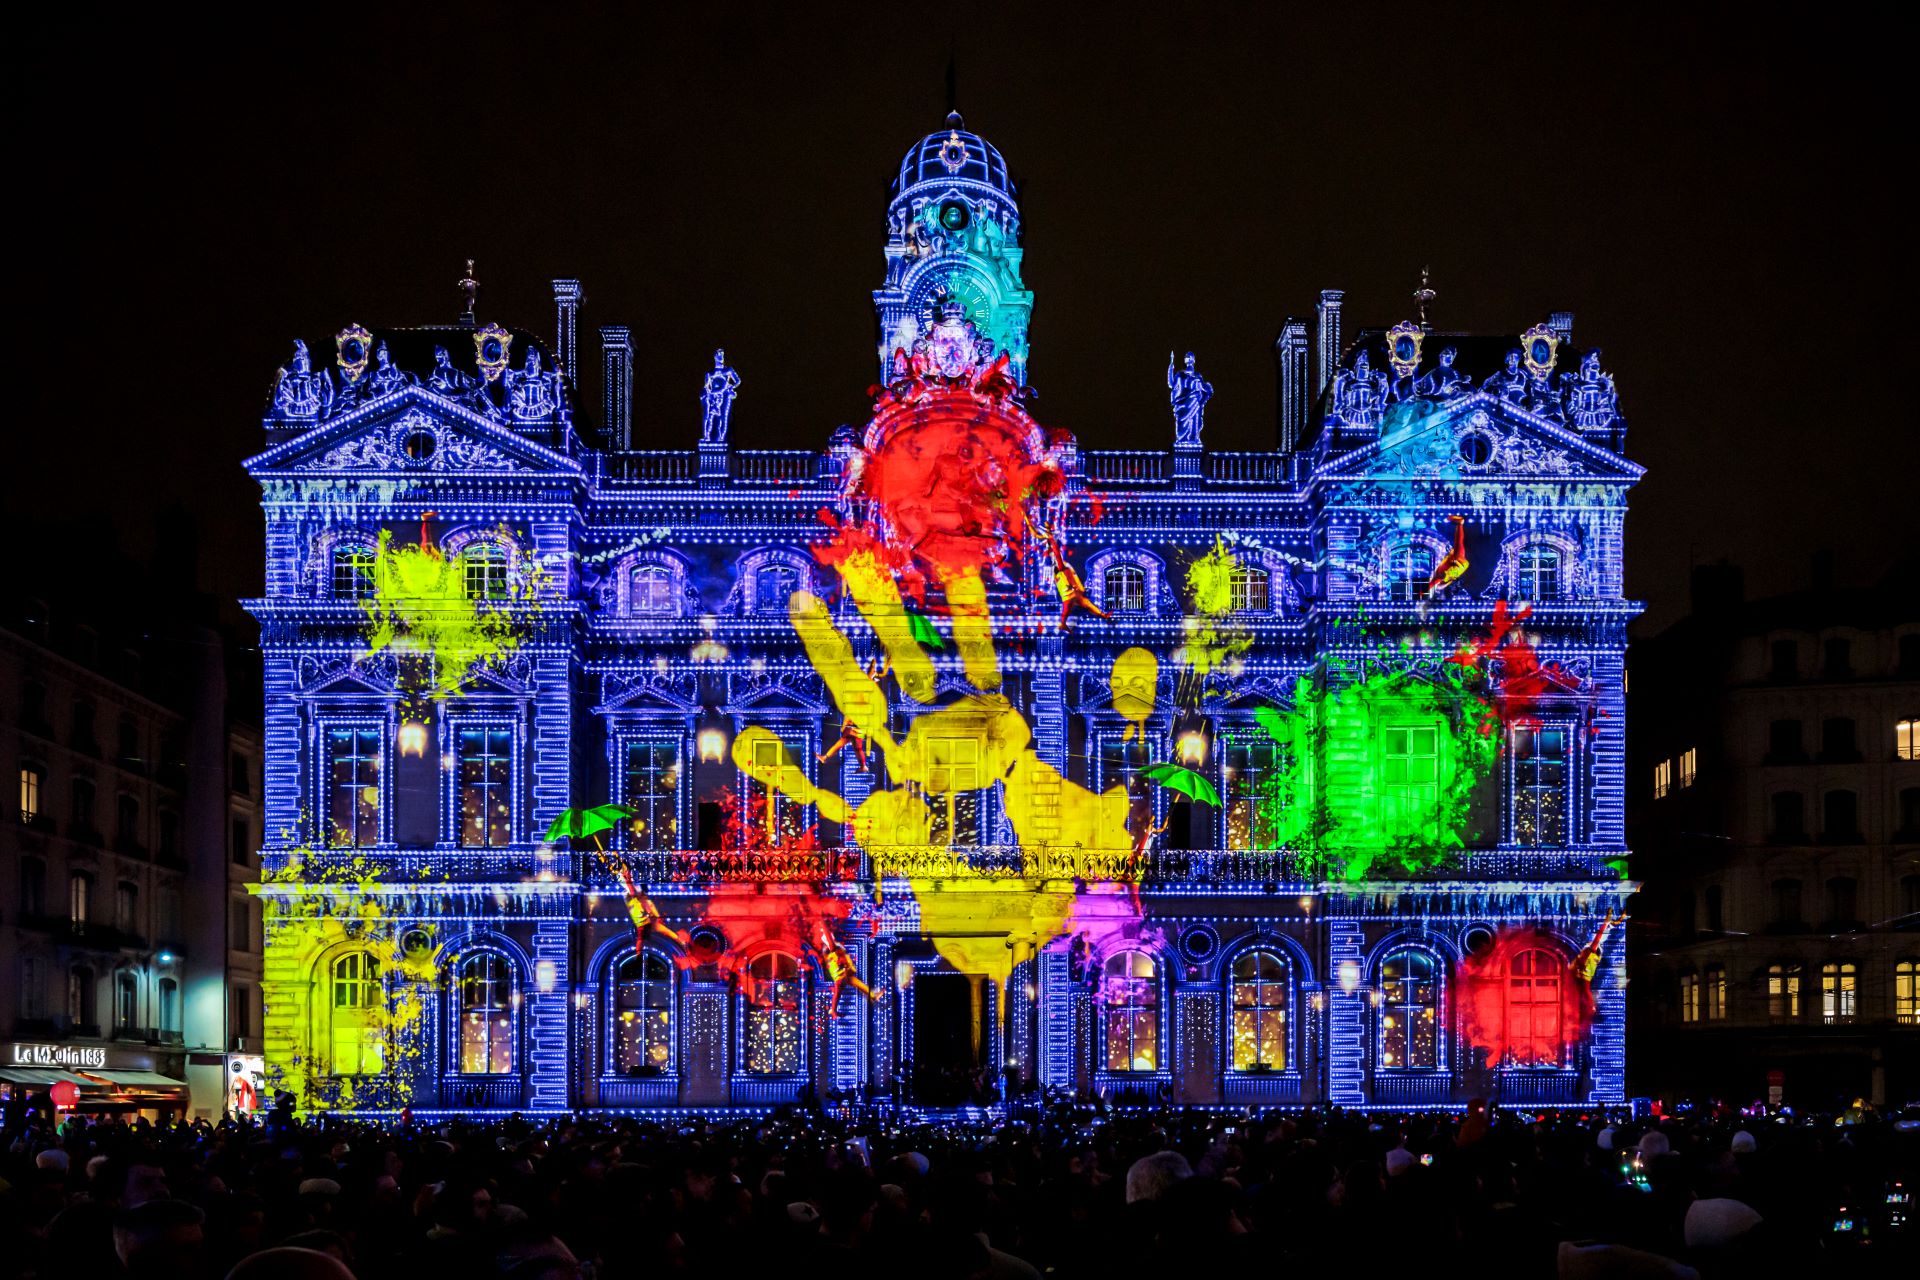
(56, 1055)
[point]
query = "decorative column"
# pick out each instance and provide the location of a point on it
(548, 1047)
(1346, 1053)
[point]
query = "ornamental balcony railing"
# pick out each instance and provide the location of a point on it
(783, 466)
(1246, 468)
(1113, 466)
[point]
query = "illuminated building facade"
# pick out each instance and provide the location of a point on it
(1392, 903)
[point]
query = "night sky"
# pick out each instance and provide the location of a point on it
(1712, 196)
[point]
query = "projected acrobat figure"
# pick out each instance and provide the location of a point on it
(646, 916)
(1587, 963)
(1454, 563)
(1067, 582)
(838, 965)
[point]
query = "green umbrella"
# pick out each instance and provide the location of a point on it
(577, 824)
(923, 631)
(1176, 778)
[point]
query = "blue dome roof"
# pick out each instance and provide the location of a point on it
(954, 155)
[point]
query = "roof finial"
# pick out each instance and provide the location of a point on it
(472, 287)
(1423, 295)
(953, 90)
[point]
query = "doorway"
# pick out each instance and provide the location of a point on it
(948, 1038)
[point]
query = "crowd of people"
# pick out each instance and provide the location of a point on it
(1063, 1190)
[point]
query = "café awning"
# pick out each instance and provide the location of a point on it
(137, 1079)
(41, 1075)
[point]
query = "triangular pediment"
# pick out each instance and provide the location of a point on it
(676, 695)
(1478, 439)
(412, 431)
(802, 695)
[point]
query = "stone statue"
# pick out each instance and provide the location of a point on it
(1443, 380)
(446, 379)
(302, 393)
(1359, 394)
(1188, 393)
(530, 393)
(1591, 401)
(1510, 383)
(385, 377)
(716, 400)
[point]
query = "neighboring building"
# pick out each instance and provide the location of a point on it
(658, 633)
(104, 864)
(1775, 771)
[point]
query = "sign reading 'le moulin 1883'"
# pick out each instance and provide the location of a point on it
(56, 1055)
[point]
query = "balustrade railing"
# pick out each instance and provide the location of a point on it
(1110, 466)
(785, 466)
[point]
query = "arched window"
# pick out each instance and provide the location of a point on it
(1409, 570)
(1123, 588)
(1249, 585)
(1130, 999)
(169, 1006)
(772, 584)
(356, 1044)
(350, 571)
(81, 996)
(773, 1015)
(650, 590)
(1409, 1012)
(1839, 992)
(643, 1015)
(126, 1001)
(32, 779)
(1535, 1031)
(1536, 572)
(486, 1015)
(1906, 991)
(486, 570)
(1840, 817)
(1783, 992)
(1260, 989)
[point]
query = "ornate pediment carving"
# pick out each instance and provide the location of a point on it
(414, 441)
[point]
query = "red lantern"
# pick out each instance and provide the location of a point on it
(64, 1093)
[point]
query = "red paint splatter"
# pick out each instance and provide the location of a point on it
(1523, 1001)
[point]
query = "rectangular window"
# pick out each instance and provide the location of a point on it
(30, 779)
(1906, 739)
(1783, 992)
(1783, 742)
(1689, 997)
(126, 907)
(82, 803)
(240, 841)
(30, 989)
(1789, 815)
(1786, 904)
(352, 572)
(1409, 570)
(1409, 1012)
(1689, 766)
(1906, 992)
(653, 789)
(239, 925)
(33, 887)
(782, 817)
(241, 779)
(353, 785)
(1716, 985)
(240, 1019)
(486, 786)
(955, 777)
(1248, 766)
(1843, 902)
(1786, 659)
(1839, 654)
(486, 570)
(1539, 573)
(1410, 772)
(79, 899)
(1839, 989)
(1250, 588)
(1716, 909)
(167, 925)
(1662, 779)
(1540, 786)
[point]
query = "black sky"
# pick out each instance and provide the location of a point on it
(1712, 194)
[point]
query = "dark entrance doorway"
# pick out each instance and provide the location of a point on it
(947, 1038)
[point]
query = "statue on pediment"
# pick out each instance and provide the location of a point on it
(1591, 401)
(716, 400)
(1359, 394)
(1443, 381)
(302, 393)
(1511, 383)
(446, 379)
(386, 379)
(531, 393)
(1187, 393)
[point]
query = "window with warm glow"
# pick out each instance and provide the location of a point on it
(486, 786)
(1540, 785)
(30, 780)
(1906, 991)
(358, 1047)
(353, 785)
(486, 1015)
(1260, 990)
(1906, 739)
(642, 1015)
(1689, 766)
(652, 792)
(1839, 992)
(1409, 1015)
(1130, 1005)
(954, 781)
(1783, 992)
(1716, 992)
(1247, 769)
(774, 1014)
(1250, 589)
(1662, 778)
(1689, 997)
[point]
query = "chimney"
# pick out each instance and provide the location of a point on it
(1290, 355)
(1823, 571)
(1329, 355)
(1561, 322)
(616, 356)
(566, 330)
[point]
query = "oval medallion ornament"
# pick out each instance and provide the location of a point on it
(491, 346)
(953, 152)
(1403, 348)
(353, 346)
(1540, 348)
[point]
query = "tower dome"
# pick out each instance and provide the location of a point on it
(953, 156)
